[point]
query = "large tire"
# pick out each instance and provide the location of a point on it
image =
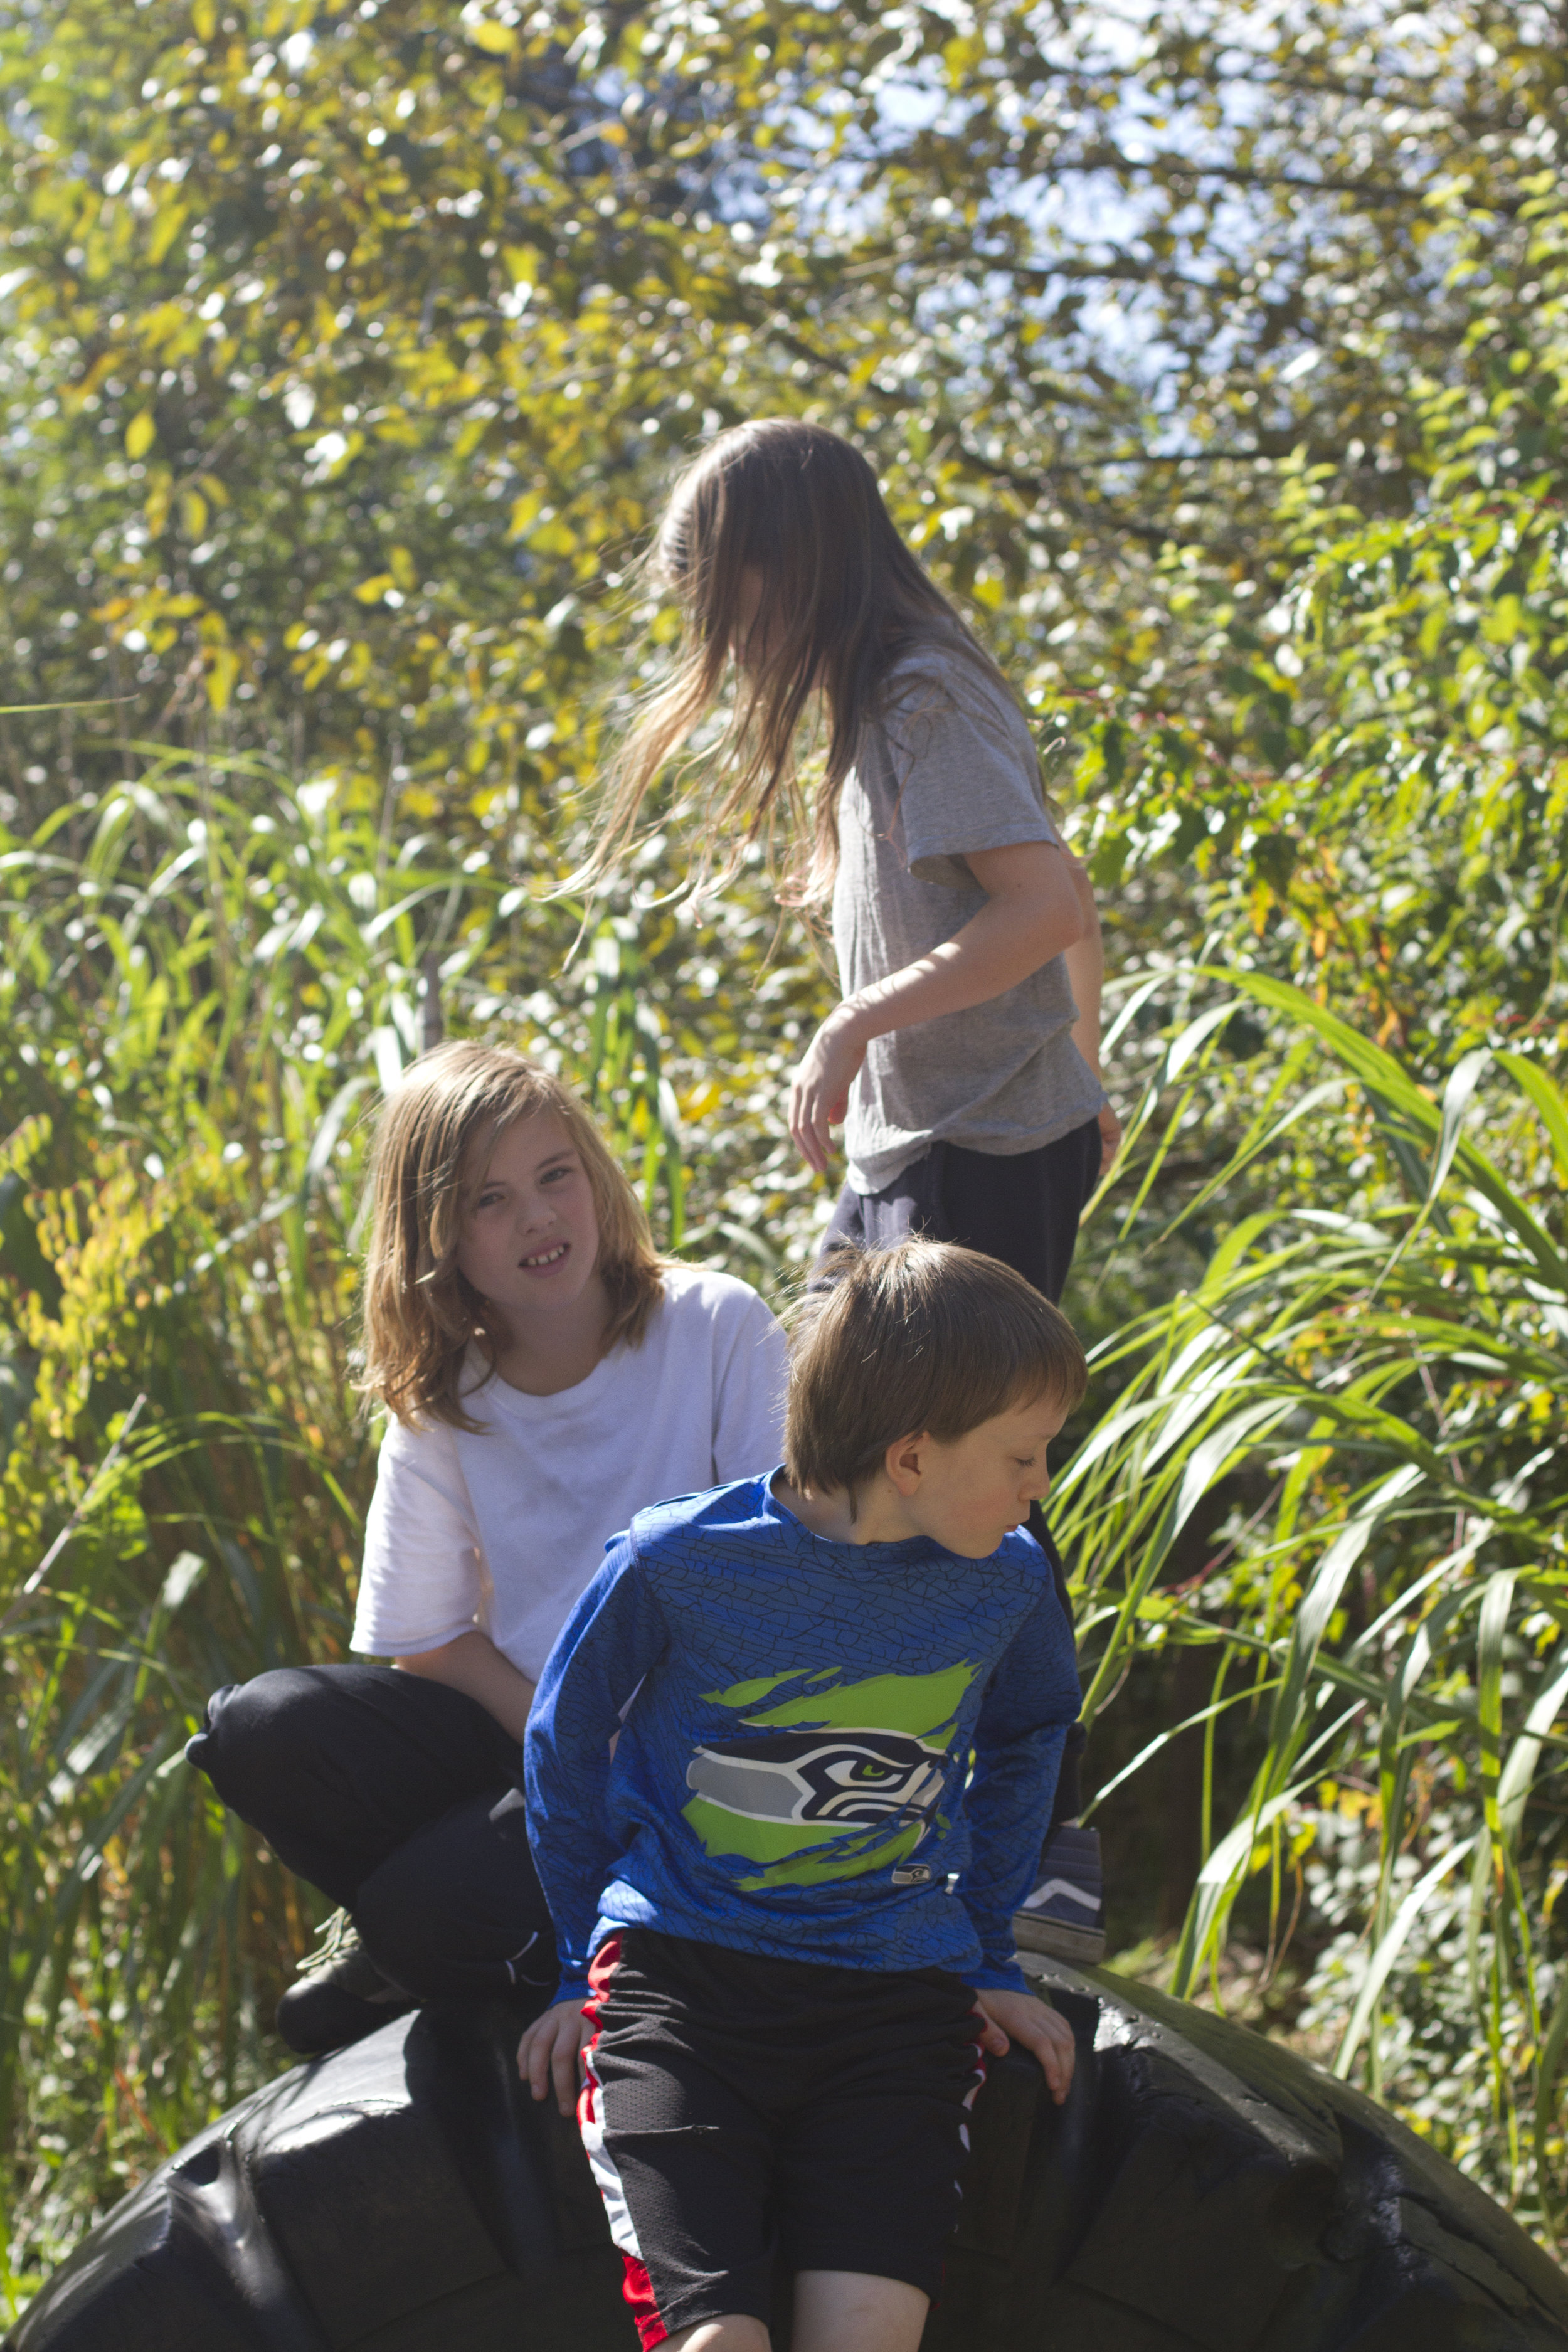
(1202, 2191)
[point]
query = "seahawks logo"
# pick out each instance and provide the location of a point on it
(850, 1779)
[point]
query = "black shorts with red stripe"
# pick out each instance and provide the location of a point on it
(738, 2110)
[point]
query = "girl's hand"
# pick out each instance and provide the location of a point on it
(547, 2052)
(820, 1093)
(1109, 1138)
(1031, 2021)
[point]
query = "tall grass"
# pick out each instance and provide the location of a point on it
(210, 977)
(1379, 1384)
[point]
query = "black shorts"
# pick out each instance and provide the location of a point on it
(737, 2109)
(1021, 1207)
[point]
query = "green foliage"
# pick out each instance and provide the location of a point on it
(1390, 1607)
(1217, 366)
(201, 1010)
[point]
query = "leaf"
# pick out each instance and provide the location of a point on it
(499, 40)
(222, 670)
(182, 1580)
(1184, 1047)
(1547, 1097)
(1519, 1773)
(1275, 855)
(1318, 1604)
(167, 223)
(1457, 1095)
(1492, 1632)
(141, 433)
(1388, 1950)
(1386, 1080)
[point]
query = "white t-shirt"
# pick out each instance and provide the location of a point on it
(503, 1527)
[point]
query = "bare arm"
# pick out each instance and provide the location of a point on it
(1032, 913)
(1086, 968)
(1086, 971)
(473, 1665)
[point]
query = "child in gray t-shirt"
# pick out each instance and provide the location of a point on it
(964, 1058)
(978, 1088)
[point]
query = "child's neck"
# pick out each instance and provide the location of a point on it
(881, 1514)
(552, 1349)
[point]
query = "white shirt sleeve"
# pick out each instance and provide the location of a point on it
(422, 1582)
(749, 1373)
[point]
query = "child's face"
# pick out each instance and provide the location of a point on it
(969, 1494)
(530, 1237)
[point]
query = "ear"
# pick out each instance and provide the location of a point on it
(904, 1463)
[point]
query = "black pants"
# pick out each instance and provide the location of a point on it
(1022, 1208)
(399, 1799)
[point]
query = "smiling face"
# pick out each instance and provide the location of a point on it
(530, 1235)
(970, 1493)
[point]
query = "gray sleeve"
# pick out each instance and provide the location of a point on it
(964, 770)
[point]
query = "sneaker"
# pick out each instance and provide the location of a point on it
(341, 1996)
(1065, 1916)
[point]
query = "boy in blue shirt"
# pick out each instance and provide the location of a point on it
(783, 1895)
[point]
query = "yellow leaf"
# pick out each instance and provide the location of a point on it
(500, 39)
(140, 434)
(203, 17)
(166, 227)
(223, 668)
(193, 513)
(370, 592)
(702, 1099)
(403, 570)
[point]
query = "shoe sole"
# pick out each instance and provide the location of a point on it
(1082, 1946)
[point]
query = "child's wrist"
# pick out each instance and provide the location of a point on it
(852, 1021)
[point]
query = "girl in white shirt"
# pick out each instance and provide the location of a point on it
(547, 1376)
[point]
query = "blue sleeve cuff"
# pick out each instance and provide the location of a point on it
(1002, 1978)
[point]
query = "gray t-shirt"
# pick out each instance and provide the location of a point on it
(949, 768)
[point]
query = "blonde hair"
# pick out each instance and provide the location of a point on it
(433, 1141)
(926, 1337)
(843, 599)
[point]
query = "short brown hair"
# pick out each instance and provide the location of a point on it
(925, 1337)
(421, 1313)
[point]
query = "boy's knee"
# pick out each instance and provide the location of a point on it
(251, 1730)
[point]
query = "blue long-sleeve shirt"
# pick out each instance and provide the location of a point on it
(838, 1753)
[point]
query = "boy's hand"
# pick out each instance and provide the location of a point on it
(547, 2052)
(1023, 2018)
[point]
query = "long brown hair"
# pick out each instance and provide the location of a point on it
(432, 1147)
(842, 599)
